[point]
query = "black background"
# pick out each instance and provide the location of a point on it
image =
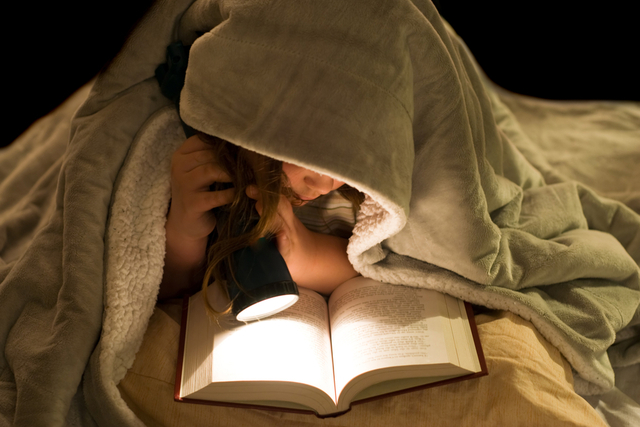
(553, 49)
(549, 49)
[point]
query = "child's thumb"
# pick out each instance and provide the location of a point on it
(252, 192)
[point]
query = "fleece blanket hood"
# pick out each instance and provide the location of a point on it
(378, 93)
(323, 91)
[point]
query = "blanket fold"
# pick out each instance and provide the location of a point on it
(381, 94)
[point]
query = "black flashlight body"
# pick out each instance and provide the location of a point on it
(260, 273)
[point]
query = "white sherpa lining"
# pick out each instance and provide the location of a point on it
(135, 243)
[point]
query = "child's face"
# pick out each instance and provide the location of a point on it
(309, 185)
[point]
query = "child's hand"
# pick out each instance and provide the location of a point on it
(190, 220)
(292, 238)
(193, 171)
(315, 261)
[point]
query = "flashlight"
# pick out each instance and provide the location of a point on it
(261, 284)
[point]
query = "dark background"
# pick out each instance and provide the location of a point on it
(549, 49)
(562, 49)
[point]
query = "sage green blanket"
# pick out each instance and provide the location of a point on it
(380, 94)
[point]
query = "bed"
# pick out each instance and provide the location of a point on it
(84, 192)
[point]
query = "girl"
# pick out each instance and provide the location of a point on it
(316, 261)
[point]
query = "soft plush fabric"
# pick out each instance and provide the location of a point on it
(378, 93)
(47, 330)
(529, 384)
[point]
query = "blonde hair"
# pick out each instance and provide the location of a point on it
(238, 225)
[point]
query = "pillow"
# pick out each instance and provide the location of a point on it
(529, 383)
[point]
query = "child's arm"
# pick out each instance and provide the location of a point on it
(316, 261)
(190, 220)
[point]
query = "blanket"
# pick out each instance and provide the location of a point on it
(380, 94)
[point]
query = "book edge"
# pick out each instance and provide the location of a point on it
(261, 407)
(180, 361)
(476, 339)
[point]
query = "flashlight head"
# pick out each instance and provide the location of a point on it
(263, 285)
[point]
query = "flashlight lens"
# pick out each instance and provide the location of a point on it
(267, 307)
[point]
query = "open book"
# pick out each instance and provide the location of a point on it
(370, 339)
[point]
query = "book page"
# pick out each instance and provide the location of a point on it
(376, 325)
(462, 335)
(293, 345)
(198, 347)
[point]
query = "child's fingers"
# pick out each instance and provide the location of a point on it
(252, 192)
(207, 200)
(285, 209)
(203, 176)
(192, 154)
(215, 199)
(188, 162)
(192, 144)
(286, 225)
(285, 221)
